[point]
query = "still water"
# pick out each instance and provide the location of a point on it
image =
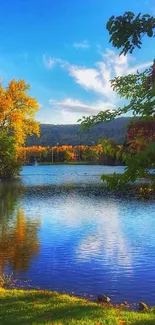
(60, 230)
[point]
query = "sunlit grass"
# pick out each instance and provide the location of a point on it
(50, 308)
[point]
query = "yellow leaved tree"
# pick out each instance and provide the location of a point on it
(17, 111)
(17, 121)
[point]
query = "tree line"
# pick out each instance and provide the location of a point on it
(102, 153)
(140, 136)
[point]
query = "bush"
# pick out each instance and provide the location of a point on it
(8, 161)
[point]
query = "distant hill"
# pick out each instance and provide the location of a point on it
(70, 134)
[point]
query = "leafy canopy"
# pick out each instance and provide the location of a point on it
(137, 89)
(17, 111)
(127, 31)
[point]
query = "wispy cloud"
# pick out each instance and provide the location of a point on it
(70, 110)
(49, 62)
(91, 79)
(95, 79)
(77, 106)
(82, 45)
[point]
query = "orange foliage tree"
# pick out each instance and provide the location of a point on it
(17, 121)
(140, 134)
(64, 153)
(17, 111)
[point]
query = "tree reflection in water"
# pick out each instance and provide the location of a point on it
(18, 235)
(10, 192)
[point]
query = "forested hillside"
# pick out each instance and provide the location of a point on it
(70, 134)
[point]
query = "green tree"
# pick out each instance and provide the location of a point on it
(137, 89)
(8, 162)
(112, 152)
(91, 155)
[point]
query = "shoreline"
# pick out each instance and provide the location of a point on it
(73, 163)
(52, 308)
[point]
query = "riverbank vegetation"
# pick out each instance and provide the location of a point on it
(39, 307)
(138, 91)
(103, 153)
(137, 152)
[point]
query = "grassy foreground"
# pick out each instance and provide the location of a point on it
(51, 308)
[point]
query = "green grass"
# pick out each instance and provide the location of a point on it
(18, 307)
(68, 163)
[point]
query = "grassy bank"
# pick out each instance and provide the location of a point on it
(69, 163)
(63, 163)
(19, 307)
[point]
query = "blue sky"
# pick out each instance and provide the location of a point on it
(61, 47)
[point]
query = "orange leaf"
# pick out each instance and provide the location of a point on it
(122, 322)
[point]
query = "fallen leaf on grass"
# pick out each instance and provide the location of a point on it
(122, 322)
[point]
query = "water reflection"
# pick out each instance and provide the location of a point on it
(86, 242)
(109, 242)
(10, 192)
(19, 241)
(92, 243)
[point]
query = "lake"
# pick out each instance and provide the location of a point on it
(61, 231)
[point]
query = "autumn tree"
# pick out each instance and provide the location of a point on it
(138, 90)
(140, 133)
(17, 113)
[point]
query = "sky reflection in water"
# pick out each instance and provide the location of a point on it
(87, 243)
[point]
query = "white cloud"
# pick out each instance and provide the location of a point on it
(69, 110)
(82, 45)
(89, 78)
(116, 65)
(98, 79)
(50, 62)
(76, 106)
(94, 79)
